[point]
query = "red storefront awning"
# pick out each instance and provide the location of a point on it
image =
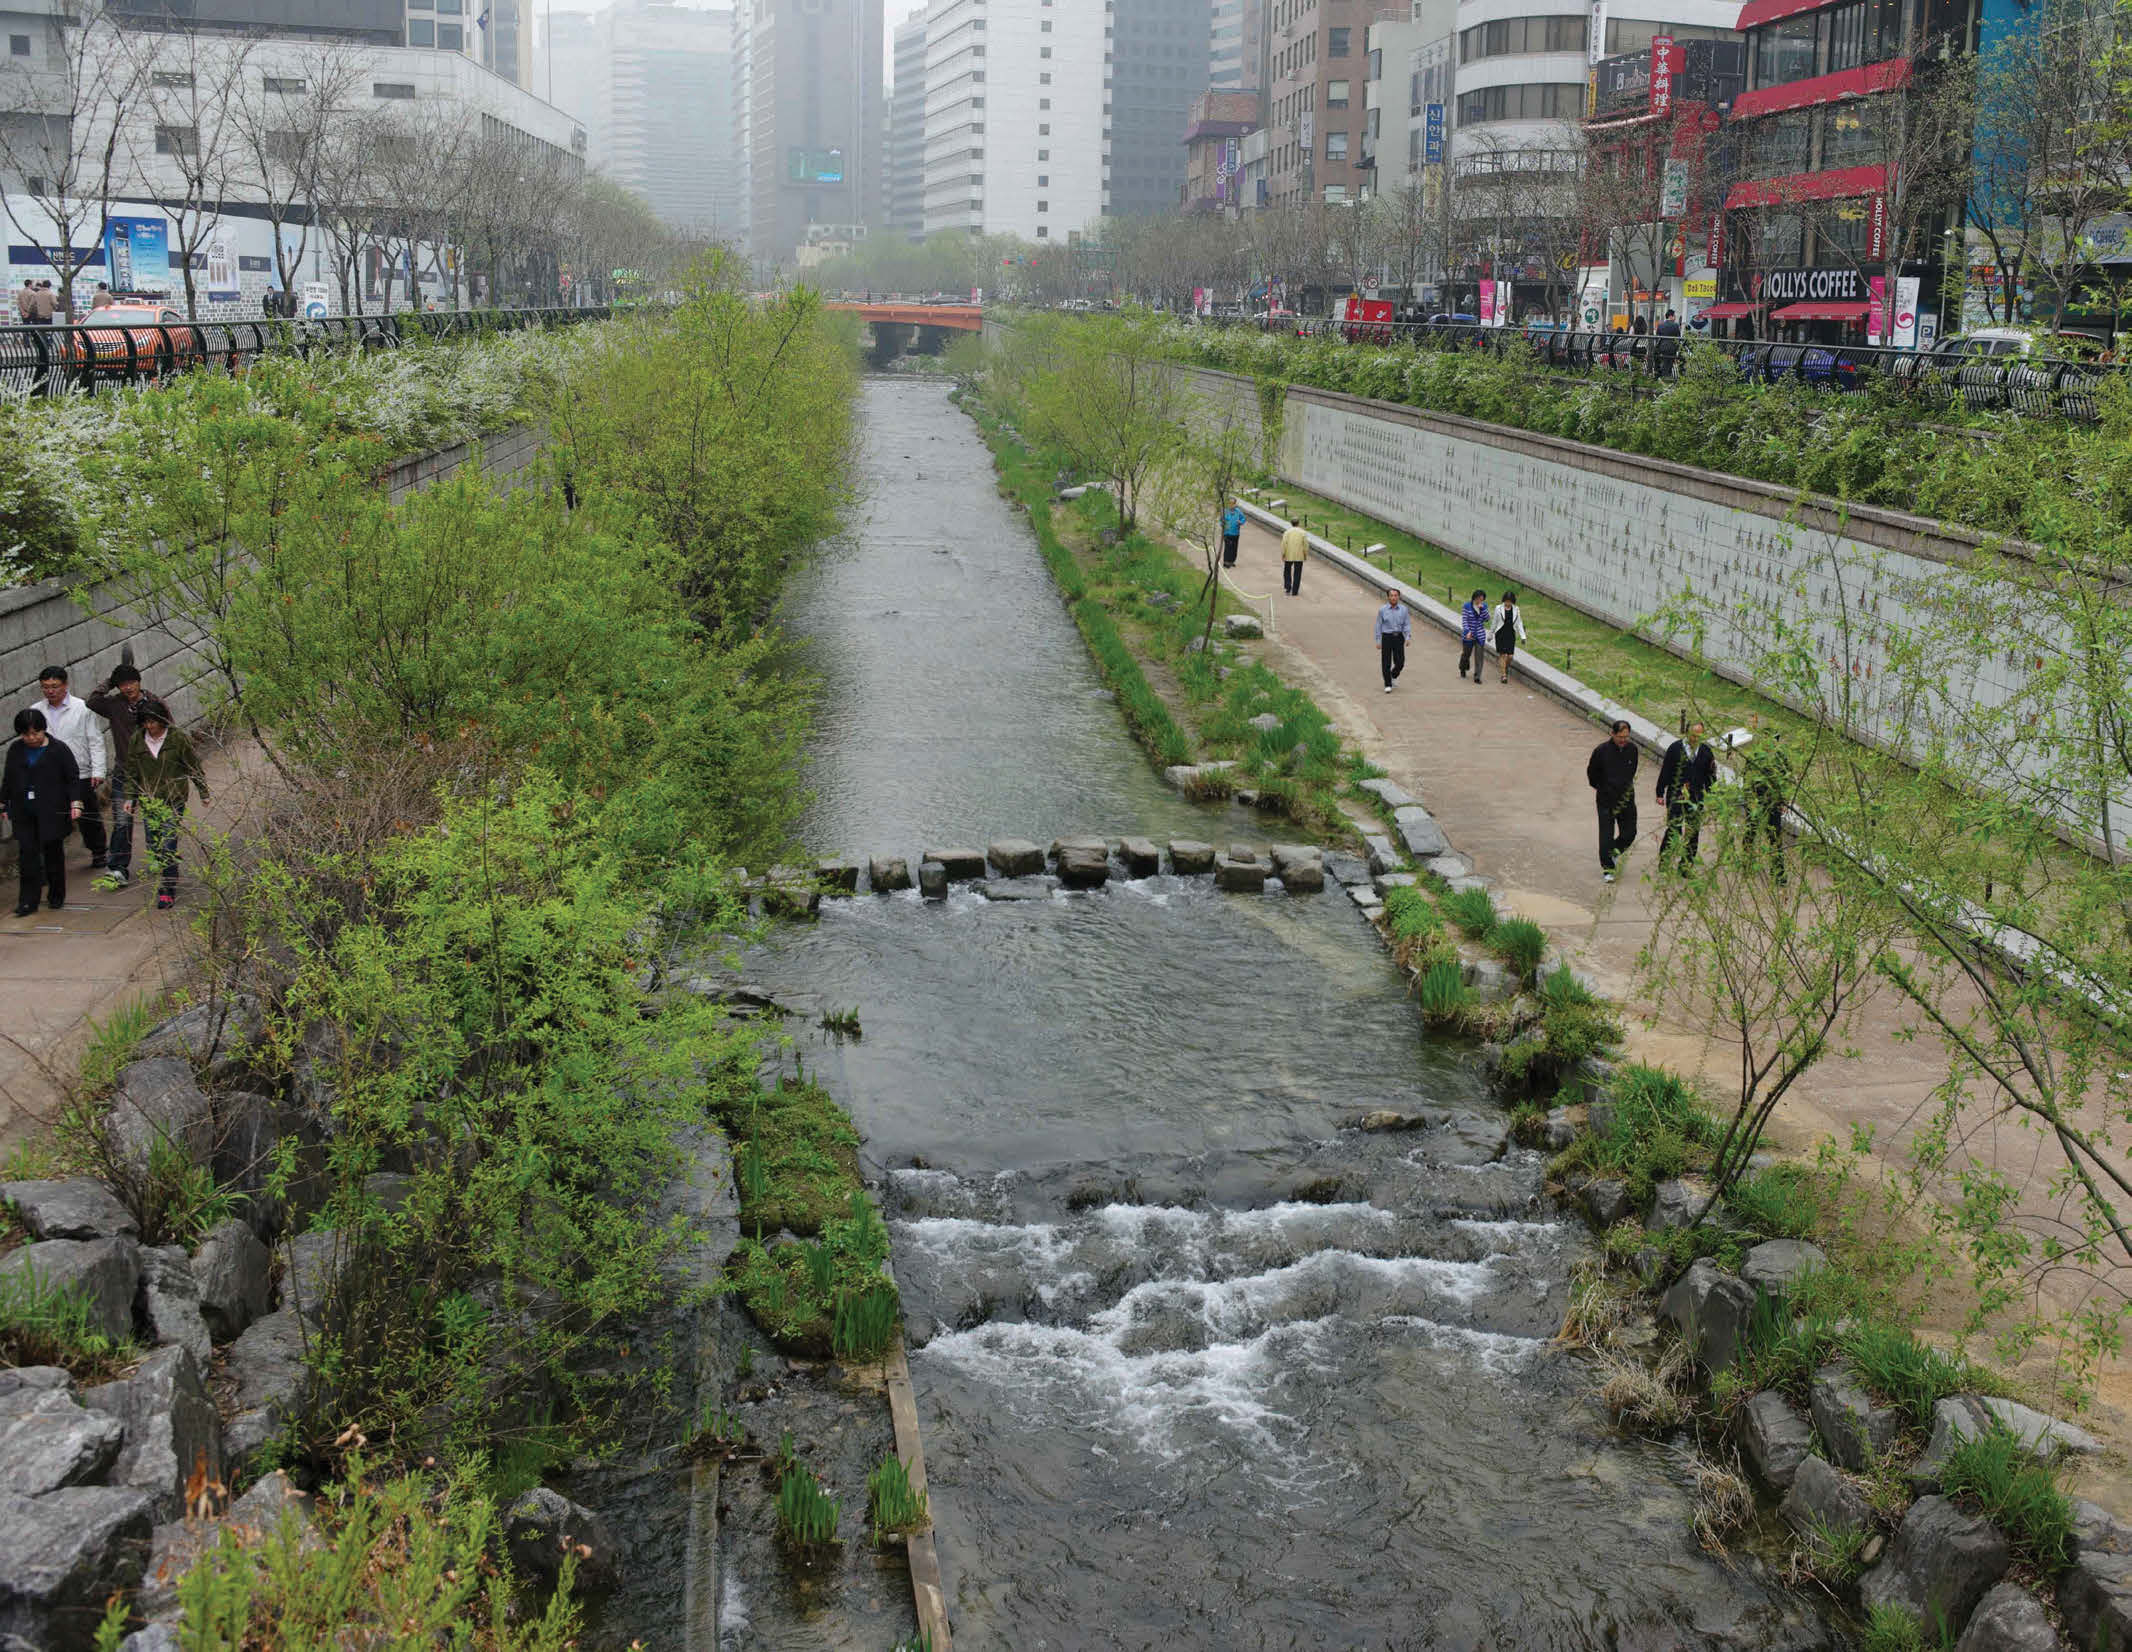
(1821, 312)
(1727, 312)
(1860, 82)
(1838, 185)
(1757, 12)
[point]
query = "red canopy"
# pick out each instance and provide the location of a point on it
(1727, 312)
(1821, 312)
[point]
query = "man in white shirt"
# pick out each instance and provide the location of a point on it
(67, 717)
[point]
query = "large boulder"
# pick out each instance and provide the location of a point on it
(234, 1275)
(1142, 859)
(1382, 856)
(222, 1037)
(1240, 877)
(1606, 1201)
(169, 1303)
(173, 1431)
(1775, 1265)
(544, 1525)
(1348, 871)
(1189, 858)
(1418, 832)
(837, 877)
(1711, 1308)
(102, 1272)
(1941, 1563)
(1300, 867)
(266, 1365)
(2095, 1600)
(961, 865)
(311, 1266)
(932, 880)
(1856, 1429)
(1084, 862)
(1244, 627)
(887, 873)
(78, 1208)
(47, 1441)
(15, 1378)
(1775, 1437)
(1821, 1495)
(1015, 857)
(249, 1124)
(2046, 1437)
(160, 1101)
(62, 1556)
(2008, 1619)
(1674, 1204)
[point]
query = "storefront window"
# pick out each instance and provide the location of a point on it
(1784, 52)
(1780, 239)
(1846, 231)
(1778, 145)
(1851, 135)
(1847, 36)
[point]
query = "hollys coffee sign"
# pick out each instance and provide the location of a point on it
(1813, 286)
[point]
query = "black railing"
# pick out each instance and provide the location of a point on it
(93, 355)
(2034, 385)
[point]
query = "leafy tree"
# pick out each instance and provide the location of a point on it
(1101, 389)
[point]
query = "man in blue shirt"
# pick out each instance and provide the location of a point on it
(1232, 527)
(1394, 626)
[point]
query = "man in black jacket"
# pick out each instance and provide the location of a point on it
(1612, 775)
(1684, 778)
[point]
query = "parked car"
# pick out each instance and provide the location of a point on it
(132, 340)
(2012, 367)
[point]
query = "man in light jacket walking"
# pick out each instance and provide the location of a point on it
(1394, 625)
(68, 719)
(1295, 546)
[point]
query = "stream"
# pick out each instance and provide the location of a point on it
(1198, 1364)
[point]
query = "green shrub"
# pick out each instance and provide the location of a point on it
(1443, 992)
(806, 1513)
(1560, 988)
(1521, 944)
(894, 1505)
(1910, 1375)
(1411, 913)
(1783, 1202)
(1648, 1100)
(1995, 1473)
(1471, 911)
(1782, 1349)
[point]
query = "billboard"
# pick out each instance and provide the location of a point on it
(1665, 65)
(1432, 136)
(813, 166)
(223, 286)
(137, 256)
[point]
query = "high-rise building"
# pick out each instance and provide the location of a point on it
(653, 84)
(906, 132)
(1318, 69)
(1214, 150)
(809, 110)
(1017, 95)
(1236, 60)
(1159, 61)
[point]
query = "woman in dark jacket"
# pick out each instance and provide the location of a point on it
(162, 767)
(40, 787)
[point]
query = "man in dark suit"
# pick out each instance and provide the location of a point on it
(1684, 779)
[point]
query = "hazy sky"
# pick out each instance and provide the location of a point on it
(898, 10)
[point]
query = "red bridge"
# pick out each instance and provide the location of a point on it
(960, 318)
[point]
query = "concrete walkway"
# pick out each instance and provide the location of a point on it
(1502, 768)
(62, 972)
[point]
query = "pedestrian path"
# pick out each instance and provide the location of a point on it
(1502, 769)
(62, 972)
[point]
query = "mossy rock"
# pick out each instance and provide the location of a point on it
(809, 1156)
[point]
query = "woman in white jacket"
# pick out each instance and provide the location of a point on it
(1509, 630)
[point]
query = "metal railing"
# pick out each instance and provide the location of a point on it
(2036, 386)
(91, 355)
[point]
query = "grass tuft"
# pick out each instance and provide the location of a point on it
(1994, 1473)
(894, 1505)
(1521, 944)
(1470, 911)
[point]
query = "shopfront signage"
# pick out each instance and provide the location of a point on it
(1665, 65)
(1877, 230)
(1794, 286)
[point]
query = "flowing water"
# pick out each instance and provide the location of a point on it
(1199, 1364)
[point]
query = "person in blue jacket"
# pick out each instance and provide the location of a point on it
(1473, 636)
(1232, 529)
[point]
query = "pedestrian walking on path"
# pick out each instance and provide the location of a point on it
(1769, 781)
(68, 719)
(161, 765)
(1394, 625)
(117, 699)
(1473, 636)
(1232, 529)
(1611, 773)
(1684, 779)
(1295, 546)
(40, 788)
(1509, 631)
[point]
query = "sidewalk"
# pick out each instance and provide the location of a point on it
(61, 972)
(1502, 768)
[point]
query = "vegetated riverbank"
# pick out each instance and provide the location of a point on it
(391, 1197)
(1818, 1320)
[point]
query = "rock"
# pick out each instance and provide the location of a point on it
(2044, 1435)
(2095, 1600)
(169, 1303)
(173, 1431)
(1018, 889)
(1385, 1118)
(266, 1364)
(1418, 832)
(61, 1557)
(932, 880)
(1181, 775)
(785, 898)
(1368, 900)
(1242, 626)
(1855, 1430)
(1382, 856)
(216, 1037)
(155, 1101)
(1188, 858)
(1468, 1139)
(234, 1276)
(543, 1523)
(2008, 1619)
(251, 1519)
(1015, 857)
(1674, 1204)
(1348, 871)
(1265, 722)
(1606, 1201)
(389, 1189)
(157, 1637)
(1458, 886)
(248, 1125)
(1820, 1492)
(1084, 862)
(1391, 794)
(79, 1208)
(1940, 1565)
(1558, 1131)
(1300, 867)
(962, 865)
(1490, 981)
(40, 1378)
(887, 873)
(1385, 882)
(47, 1441)
(1448, 866)
(1142, 859)
(1239, 877)
(1712, 1309)
(104, 1272)
(1198, 645)
(2097, 1531)
(838, 877)
(1776, 1265)
(311, 1266)
(1597, 1076)
(1965, 1416)
(1776, 1437)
